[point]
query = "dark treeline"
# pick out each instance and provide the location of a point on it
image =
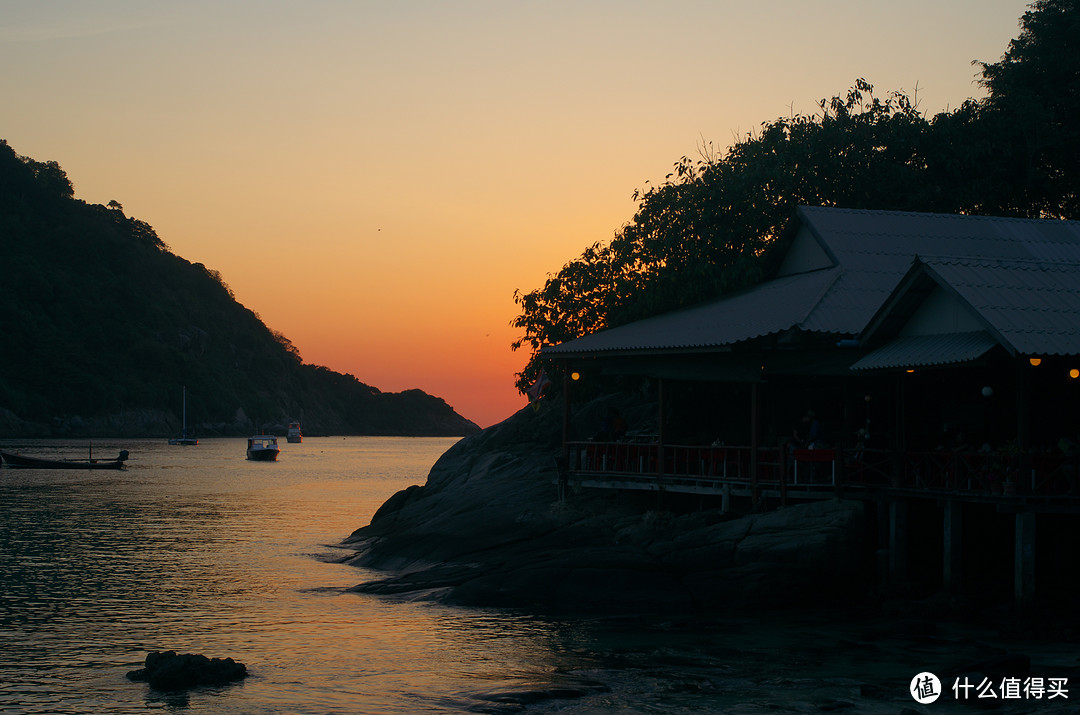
(716, 224)
(103, 325)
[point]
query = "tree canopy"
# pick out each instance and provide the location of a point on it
(715, 224)
(1033, 104)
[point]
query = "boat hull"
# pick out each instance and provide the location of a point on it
(20, 461)
(262, 455)
(262, 448)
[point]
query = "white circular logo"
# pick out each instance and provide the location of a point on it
(925, 688)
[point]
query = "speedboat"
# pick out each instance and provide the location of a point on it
(262, 448)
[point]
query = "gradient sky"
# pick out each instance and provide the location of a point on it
(375, 179)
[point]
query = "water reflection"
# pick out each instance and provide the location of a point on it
(193, 550)
(197, 550)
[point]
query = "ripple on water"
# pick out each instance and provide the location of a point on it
(196, 550)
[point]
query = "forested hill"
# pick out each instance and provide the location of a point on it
(103, 326)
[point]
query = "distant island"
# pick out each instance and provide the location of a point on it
(104, 327)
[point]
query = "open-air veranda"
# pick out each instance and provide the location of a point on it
(868, 443)
(976, 478)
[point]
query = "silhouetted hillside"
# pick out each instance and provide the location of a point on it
(103, 325)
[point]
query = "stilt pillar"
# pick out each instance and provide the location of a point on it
(954, 547)
(661, 407)
(898, 536)
(882, 554)
(754, 442)
(566, 419)
(1024, 571)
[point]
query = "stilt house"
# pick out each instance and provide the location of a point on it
(937, 356)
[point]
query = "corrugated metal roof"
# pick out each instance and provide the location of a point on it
(926, 350)
(876, 249)
(873, 250)
(1034, 306)
(769, 308)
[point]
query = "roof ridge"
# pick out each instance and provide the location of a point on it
(989, 261)
(933, 214)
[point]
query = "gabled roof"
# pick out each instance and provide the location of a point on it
(843, 265)
(1031, 307)
(875, 250)
(1028, 307)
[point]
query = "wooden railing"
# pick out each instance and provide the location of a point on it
(940, 472)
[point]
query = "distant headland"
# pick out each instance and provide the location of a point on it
(104, 327)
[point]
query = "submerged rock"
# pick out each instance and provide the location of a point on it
(523, 695)
(169, 671)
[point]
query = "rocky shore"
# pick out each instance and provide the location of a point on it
(488, 529)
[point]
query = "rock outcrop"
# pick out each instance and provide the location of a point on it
(168, 671)
(488, 529)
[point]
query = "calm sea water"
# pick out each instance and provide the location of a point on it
(195, 549)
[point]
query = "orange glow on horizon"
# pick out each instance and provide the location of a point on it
(377, 191)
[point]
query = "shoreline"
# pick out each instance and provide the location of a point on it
(487, 529)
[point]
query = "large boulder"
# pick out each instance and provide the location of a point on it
(488, 529)
(168, 671)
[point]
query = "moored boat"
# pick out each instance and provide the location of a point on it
(262, 448)
(21, 461)
(294, 436)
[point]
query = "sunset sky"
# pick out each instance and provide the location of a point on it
(375, 179)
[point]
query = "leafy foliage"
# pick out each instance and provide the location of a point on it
(716, 224)
(102, 320)
(712, 225)
(1032, 107)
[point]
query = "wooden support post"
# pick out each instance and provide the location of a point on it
(754, 443)
(566, 419)
(952, 576)
(898, 535)
(1022, 467)
(898, 476)
(783, 473)
(1024, 571)
(661, 399)
(839, 462)
(882, 554)
(563, 467)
